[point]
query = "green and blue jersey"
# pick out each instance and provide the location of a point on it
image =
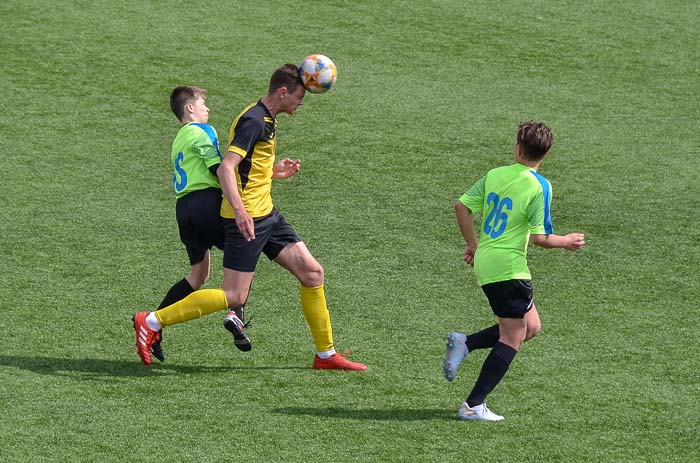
(515, 202)
(195, 150)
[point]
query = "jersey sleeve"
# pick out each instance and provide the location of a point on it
(538, 213)
(205, 149)
(247, 133)
(474, 197)
(206, 146)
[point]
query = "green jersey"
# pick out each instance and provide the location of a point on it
(195, 150)
(514, 201)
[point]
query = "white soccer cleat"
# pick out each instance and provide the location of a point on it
(478, 413)
(454, 356)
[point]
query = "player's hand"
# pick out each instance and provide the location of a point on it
(469, 255)
(245, 225)
(574, 241)
(286, 168)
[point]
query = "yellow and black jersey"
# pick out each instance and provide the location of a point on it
(252, 137)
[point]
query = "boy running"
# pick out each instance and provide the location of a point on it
(515, 203)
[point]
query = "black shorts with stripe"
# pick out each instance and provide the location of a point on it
(272, 234)
(199, 221)
(510, 298)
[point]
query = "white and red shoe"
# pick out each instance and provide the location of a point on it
(145, 337)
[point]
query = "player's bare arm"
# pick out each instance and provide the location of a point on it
(227, 177)
(465, 220)
(572, 241)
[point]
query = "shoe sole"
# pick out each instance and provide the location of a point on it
(340, 368)
(476, 418)
(240, 338)
(449, 371)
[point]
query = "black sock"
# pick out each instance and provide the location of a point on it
(492, 372)
(179, 291)
(484, 339)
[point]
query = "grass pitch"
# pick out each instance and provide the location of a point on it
(428, 99)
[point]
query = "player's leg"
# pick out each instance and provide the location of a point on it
(499, 359)
(199, 274)
(285, 247)
(510, 302)
(237, 286)
(240, 260)
(494, 368)
(196, 305)
(484, 339)
(148, 325)
(210, 229)
(532, 319)
(200, 228)
(297, 259)
(195, 279)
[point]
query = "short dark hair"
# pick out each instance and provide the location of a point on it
(285, 76)
(182, 96)
(535, 138)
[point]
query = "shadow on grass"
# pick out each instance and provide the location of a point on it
(393, 414)
(115, 368)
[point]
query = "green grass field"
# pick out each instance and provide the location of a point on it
(428, 99)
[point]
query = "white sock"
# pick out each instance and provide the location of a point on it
(326, 354)
(152, 322)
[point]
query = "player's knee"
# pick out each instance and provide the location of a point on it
(513, 338)
(313, 276)
(533, 330)
(235, 299)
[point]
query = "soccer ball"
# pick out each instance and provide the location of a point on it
(318, 73)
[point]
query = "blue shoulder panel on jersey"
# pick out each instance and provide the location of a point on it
(212, 135)
(548, 228)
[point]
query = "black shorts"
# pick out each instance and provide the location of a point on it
(199, 222)
(510, 298)
(272, 234)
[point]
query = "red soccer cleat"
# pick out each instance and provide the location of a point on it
(145, 337)
(337, 362)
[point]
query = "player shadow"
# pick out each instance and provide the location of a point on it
(388, 414)
(116, 368)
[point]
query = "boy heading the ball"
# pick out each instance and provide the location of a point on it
(515, 204)
(253, 226)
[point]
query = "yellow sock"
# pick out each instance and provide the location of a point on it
(313, 305)
(196, 305)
